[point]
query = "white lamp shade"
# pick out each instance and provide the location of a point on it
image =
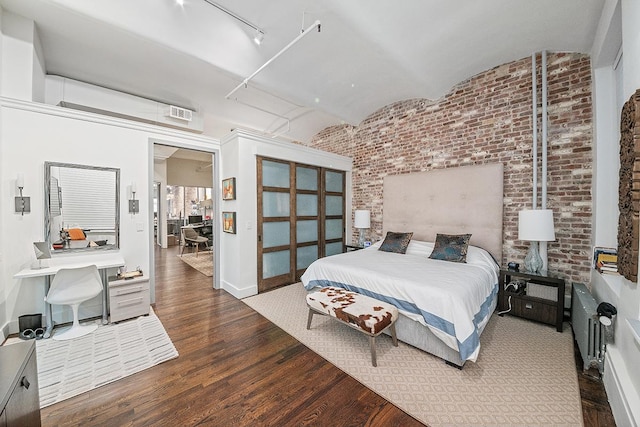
(362, 219)
(536, 225)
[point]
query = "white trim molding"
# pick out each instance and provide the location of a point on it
(624, 401)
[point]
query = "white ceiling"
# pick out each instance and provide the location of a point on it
(368, 54)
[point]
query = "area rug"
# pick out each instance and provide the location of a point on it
(525, 374)
(114, 351)
(203, 262)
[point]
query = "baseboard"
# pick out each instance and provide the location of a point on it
(240, 292)
(623, 398)
(4, 332)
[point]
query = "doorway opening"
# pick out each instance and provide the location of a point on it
(184, 206)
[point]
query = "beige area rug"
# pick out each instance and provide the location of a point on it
(114, 351)
(525, 375)
(203, 262)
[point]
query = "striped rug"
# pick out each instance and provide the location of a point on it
(525, 374)
(114, 351)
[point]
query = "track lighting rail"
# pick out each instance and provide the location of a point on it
(246, 81)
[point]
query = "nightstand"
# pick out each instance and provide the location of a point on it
(353, 247)
(534, 296)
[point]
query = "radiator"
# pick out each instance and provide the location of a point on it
(588, 331)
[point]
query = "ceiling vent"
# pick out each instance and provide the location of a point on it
(180, 113)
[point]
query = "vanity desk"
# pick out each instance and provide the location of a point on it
(103, 261)
(96, 190)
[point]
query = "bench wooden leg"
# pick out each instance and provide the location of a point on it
(372, 344)
(394, 337)
(309, 319)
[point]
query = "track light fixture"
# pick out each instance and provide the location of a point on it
(259, 37)
(259, 33)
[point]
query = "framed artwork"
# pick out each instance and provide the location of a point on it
(229, 222)
(229, 189)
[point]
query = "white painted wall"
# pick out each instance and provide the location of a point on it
(23, 72)
(607, 154)
(631, 46)
(2, 19)
(622, 370)
(160, 175)
(38, 70)
(28, 139)
(34, 133)
(239, 151)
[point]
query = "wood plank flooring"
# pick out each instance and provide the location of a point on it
(596, 411)
(238, 369)
(235, 369)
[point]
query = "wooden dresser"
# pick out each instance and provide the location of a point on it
(20, 404)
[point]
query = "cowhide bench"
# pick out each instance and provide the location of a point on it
(360, 312)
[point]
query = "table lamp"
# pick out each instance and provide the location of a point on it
(535, 225)
(42, 252)
(362, 221)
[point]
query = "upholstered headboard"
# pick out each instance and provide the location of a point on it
(466, 199)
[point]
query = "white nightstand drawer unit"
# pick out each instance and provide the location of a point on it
(128, 298)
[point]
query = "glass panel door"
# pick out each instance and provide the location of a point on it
(274, 224)
(308, 226)
(300, 218)
(334, 206)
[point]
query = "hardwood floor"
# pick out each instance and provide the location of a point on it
(236, 368)
(596, 411)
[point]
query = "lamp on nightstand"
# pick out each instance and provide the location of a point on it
(362, 221)
(535, 225)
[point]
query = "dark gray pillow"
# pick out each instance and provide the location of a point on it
(396, 242)
(451, 247)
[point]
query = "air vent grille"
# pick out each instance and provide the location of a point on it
(180, 113)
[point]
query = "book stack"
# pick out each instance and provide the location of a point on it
(605, 260)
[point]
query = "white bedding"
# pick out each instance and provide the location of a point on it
(454, 300)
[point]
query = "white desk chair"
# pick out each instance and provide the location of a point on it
(73, 286)
(192, 236)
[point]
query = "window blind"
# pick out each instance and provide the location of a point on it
(88, 198)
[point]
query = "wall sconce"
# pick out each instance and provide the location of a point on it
(23, 204)
(134, 205)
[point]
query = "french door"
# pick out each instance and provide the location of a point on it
(300, 219)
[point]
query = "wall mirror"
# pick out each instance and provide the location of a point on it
(82, 207)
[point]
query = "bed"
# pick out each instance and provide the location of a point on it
(446, 317)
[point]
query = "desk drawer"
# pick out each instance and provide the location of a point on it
(128, 300)
(135, 288)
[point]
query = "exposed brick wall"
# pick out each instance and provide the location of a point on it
(487, 119)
